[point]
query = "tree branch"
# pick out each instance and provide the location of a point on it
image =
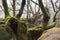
(21, 9)
(4, 2)
(13, 7)
(46, 16)
(53, 6)
(56, 5)
(56, 12)
(54, 18)
(34, 2)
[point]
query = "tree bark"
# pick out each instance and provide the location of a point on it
(13, 7)
(46, 15)
(21, 9)
(5, 6)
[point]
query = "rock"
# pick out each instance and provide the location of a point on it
(4, 35)
(51, 34)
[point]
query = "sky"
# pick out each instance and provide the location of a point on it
(2, 13)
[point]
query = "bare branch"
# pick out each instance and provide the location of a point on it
(46, 15)
(56, 5)
(15, 10)
(54, 18)
(34, 2)
(21, 9)
(38, 9)
(1, 8)
(31, 9)
(4, 2)
(53, 5)
(28, 3)
(13, 7)
(56, 12)
(35, 6)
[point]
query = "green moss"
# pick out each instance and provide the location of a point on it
(51, 25)
(35, 32)
(34, 28)
(7, 19)
(21, 27)
(39, 29)
(22, 31)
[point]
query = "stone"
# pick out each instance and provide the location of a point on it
(51, 34)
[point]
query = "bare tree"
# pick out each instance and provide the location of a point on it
(13, 7)
(19, 28)
(21, 9)
(5, 8)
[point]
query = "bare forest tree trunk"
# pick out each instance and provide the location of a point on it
(46, 15)
(21, 9)
(17, 28)
(13, 7)
(6, 11)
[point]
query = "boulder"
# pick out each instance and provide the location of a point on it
(51, 34)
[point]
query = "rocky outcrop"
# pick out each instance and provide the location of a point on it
(51, 34)
(4, 34)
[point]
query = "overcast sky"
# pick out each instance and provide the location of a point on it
(9, 4)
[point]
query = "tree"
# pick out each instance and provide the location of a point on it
(36, 31)
(11, 21)
(19, 28)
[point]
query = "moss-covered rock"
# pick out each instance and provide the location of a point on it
(51, 34)
(4, 35)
